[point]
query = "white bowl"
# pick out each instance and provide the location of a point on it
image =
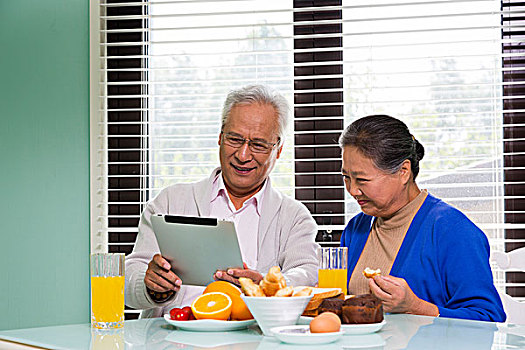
(272, 312)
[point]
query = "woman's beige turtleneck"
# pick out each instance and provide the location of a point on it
(383, 244)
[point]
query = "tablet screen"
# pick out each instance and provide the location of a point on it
(197, 247)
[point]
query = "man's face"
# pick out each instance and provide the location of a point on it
(243, 170)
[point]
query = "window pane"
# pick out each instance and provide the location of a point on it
(199, 51)
(438, 68)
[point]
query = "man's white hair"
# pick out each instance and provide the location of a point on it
(258, 94)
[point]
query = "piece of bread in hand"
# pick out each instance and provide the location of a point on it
(369, 273)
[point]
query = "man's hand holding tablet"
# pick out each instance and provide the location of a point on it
(232, 275)
(160, 281)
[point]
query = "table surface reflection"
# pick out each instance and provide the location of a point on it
(399, 332)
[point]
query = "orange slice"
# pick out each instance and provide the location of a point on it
(239, 309)
(213, 305)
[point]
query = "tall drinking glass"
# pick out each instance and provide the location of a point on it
(333, 264)
(107, 290)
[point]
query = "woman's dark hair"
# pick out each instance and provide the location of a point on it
(385, 140)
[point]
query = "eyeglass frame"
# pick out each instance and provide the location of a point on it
(271, 146)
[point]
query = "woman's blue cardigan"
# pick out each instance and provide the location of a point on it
(444, 258)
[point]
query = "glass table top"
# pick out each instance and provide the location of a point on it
(399, 332)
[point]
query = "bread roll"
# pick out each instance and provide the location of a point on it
(250, 289)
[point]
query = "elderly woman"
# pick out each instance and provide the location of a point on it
(434, 260)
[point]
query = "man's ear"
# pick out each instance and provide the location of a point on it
(220, 139)
(406, 171)
(279, 151)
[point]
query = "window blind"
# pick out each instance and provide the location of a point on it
(437, 66)
(450, 69)
(319, 113)
(514, 135)
(124, 119)
(199, 51)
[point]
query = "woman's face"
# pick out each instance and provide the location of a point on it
(378, 193)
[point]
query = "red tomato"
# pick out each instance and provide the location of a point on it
(173, 312)
(188, 309)
(182, 315)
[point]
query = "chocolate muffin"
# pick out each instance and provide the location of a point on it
(365, 308)
(332, 305)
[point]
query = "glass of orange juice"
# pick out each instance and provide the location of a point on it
(333, 265)
(107, 290)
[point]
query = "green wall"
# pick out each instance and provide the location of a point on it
(44, 169)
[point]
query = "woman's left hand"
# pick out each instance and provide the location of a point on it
(397, 297)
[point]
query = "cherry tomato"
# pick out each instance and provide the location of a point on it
(173, 312)
(182, 315)
(190, 313)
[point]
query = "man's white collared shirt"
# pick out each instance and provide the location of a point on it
(246, 219)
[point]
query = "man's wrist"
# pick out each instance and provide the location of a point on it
(160, 297)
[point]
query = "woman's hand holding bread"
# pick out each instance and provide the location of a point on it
(397, 297)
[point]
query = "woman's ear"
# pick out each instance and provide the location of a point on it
(405, 172)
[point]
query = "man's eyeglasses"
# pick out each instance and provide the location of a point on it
(256, 146)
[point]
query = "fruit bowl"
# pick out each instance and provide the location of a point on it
(272, 312)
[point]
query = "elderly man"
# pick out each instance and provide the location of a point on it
(273, 229)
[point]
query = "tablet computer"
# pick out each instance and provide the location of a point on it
(196, 247)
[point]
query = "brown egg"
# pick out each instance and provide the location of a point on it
(325, 323)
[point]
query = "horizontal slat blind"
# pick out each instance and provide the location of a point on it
(319, 112)
(126, 124)
(199, 51)
(188, 70)
(514, 135)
